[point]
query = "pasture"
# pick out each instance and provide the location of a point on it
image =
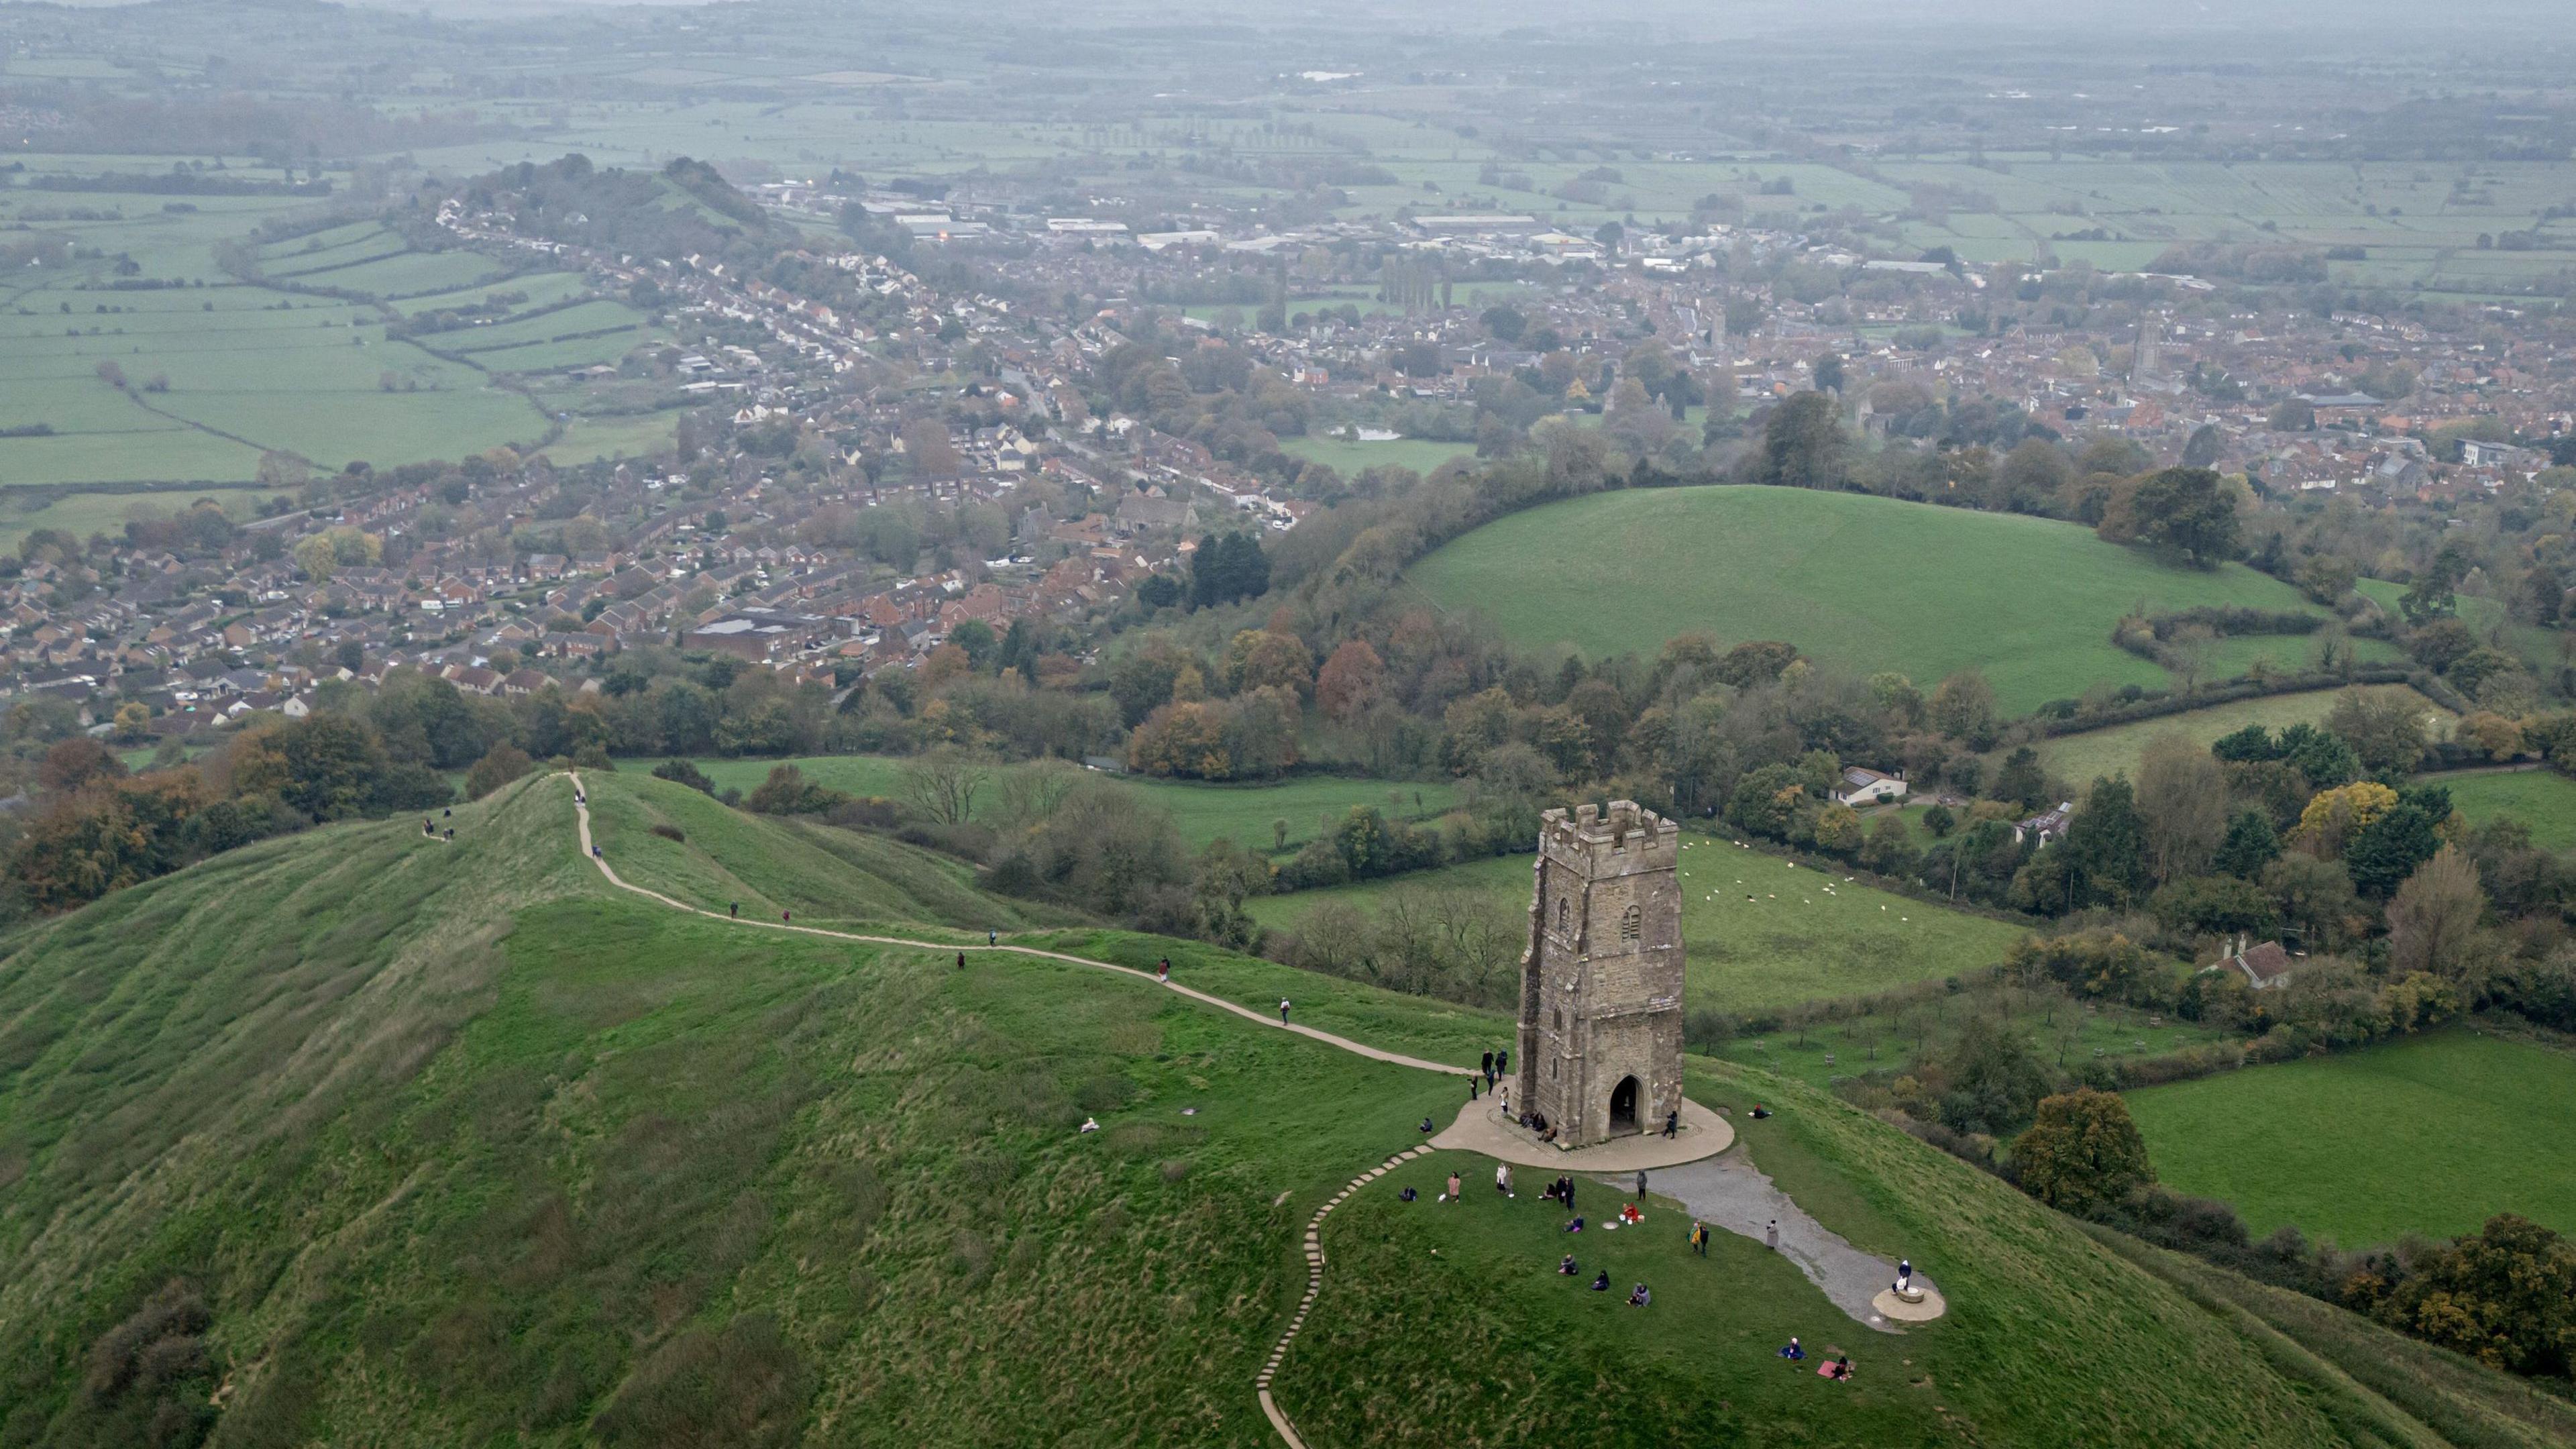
(2078, 759)
(1348, 457)
(1758, 932)
(2431, 1135)
(2542, 799)
(1863, 583)
(1247, 814)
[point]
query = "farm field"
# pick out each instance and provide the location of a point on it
(1419, 454)
(83, 514)
(2079, 758)
(2431, 1135)
(2542, 799)
(1243, 813)
(1795, 941)
(1863, 583)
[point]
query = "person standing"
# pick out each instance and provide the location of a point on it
(961, 960)
(1453, 1187)
(1283, 1011)
(1699, 1237)
(1488, 1067)
(1503, 1178)
(992, 937)
(1503, 1061)
(1473, 1082)
(1569, 1193)
(736, 909)
(1163, 971)
(1673, 1123)
(1771, 1236)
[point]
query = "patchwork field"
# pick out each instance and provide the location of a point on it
(1864, 583)
(2431, 1135)
(1804, 935)
(2079, 758)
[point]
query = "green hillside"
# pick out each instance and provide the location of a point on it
(363, 1138)
(2079, 758)
(1865, 583)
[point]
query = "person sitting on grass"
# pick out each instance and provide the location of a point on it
(1426, 1126)
(1407, 1195)
(1628, 1214)
(1602, 1283)
(1793, 1351)
(1565, 1266)
(1638, 1297)
(1839, 1370)
(1575, 1226)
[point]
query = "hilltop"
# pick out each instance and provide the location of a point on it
(360, 1136)
(1862, 582)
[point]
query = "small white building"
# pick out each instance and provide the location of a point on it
(1860, 788)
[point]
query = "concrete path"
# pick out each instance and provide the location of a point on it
(1480, 1128)
(1730, 1193)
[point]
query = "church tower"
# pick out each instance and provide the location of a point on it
(1601, 984)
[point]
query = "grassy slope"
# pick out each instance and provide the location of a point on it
(2431, 1135)
(1795, 942)
(1202, 812)
(2078, 758)
(1866, 583)
(2541, 799)
(462, 1147)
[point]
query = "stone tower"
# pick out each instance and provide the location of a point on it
(1601, 984)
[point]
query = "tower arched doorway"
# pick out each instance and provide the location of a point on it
(1623, 1106)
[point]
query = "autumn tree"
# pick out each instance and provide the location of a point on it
(2434, 914)
(2082, 1152)
(1350, 681)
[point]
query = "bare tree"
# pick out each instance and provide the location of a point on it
(944, 783)
(1030, 793)
(2182, 798)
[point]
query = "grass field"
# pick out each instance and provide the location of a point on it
(1864, 583)
(1795, 941)
(2542, 799)
(1346, 457)
(456, 1144)
(2429, 1136)
(2079, 758)
(1244, 813)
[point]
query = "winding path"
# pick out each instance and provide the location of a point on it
(1314, 1228)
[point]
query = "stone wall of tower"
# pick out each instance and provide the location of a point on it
(1601, 980)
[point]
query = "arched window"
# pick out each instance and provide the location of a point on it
(1560, 915)
(1631, 921)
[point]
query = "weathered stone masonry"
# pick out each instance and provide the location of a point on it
(1601, 983)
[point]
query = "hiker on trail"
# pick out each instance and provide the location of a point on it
(1283, 1011)
(961, 960)
(1473, 1082)
(1503, 1061)
(447, 813)
(425, 826)
(595, 855)
(992, 937)
(1488, 1067)
(736, 908)
(1503, 1178)
(786, 916)
(1641, 1184)
(1163, 971)
(1673, 1122)
(1699, 1237)
(1771, 1235)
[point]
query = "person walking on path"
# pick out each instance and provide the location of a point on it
(736, 908)
(1473, 1082)
(1488, 1067)
(961, 960)
(1673, 1123)
(1503, 1061)
(1283, 1011)
(1163, 971)
(1771, 1236)
(992, 937)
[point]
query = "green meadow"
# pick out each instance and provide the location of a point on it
(1864, 583)
(2079, 758)
(2430, 1135)
(2542, 799)
(1757, 931)
(1249, 815)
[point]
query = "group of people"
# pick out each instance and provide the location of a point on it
(1837, 1367)
(1638, 1297)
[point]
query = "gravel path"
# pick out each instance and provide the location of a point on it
(1731, 1193)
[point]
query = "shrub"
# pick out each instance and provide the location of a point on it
(668, 832)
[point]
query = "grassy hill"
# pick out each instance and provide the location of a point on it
(1866, 583)
(358, 1137)
(2429, 1135)
(1794, 941)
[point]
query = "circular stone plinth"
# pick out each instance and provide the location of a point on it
(1482, 1128)
(1897, 1310)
